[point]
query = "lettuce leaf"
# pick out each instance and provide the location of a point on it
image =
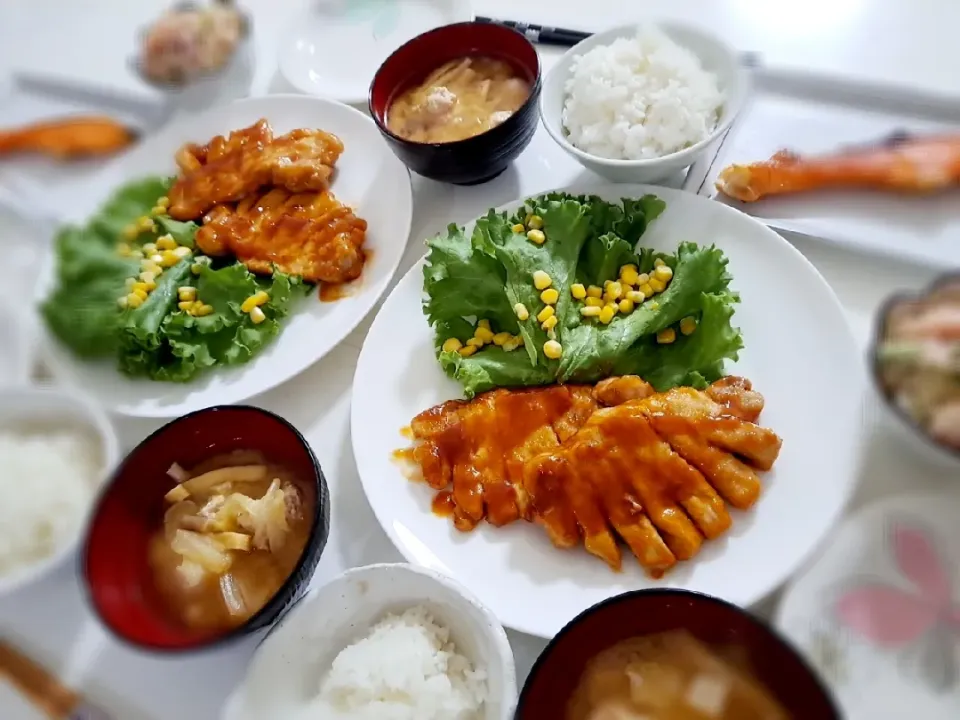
(484, 275)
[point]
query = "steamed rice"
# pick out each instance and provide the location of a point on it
(405, 668)
(639, 98)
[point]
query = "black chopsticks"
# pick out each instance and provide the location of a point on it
(541, 34)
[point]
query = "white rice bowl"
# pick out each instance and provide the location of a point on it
(405, 667)
(639, 98)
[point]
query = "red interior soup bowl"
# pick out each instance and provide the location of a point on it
(117, 571)
(713, 624)
(474, 159)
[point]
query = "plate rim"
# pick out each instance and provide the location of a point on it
(292, 30)
(56, 361)
(776, 580)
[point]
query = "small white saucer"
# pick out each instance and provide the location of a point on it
(335, 47)
(878, 613)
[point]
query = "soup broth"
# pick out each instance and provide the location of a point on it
(669, 677)
(235, 528)
(458, 100)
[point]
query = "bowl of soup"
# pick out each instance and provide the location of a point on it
(671, 655)
(209, 530)
(459, 103)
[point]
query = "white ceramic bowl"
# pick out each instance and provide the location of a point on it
(285, 671)
(715, 55)
(29, 407)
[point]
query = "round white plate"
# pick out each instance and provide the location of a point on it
(878, 612)
(335, 47)
(800, 354)
(368, 177)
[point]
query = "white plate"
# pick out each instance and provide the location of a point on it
(800, 354)
(369, 177)
(334, 48)
(878, 612)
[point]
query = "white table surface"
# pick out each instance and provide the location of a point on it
(880, 40)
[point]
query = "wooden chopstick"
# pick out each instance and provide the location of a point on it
(37, 684)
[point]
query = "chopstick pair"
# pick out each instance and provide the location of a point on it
(543, 35)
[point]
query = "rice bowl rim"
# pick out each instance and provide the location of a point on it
(492, 631)
(733, 102)
(90, 417)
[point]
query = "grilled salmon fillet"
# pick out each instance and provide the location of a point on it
(310, 234)
(900, 163)
(604, 466)
(227, 169)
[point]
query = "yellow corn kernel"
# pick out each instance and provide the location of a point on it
(642, 279)
(658, 263)
(663, 273)
(541, 281)
(475, 342)
(122, 302)
(654, 305)
(187, 293)
(256, 300)
(594, 292)
(149, 248)
(629, 275)
(467, 350)
(534, 222)
(185, 305)
(521, 310)
(136, 254)
(593, 302)
(181, 252)
(513, 343)
(145, 223)
(257, 316)
(606, 314)
(157, 210)
(536, 236)
(155, 258)
(590, 311)
(123, 249)
(139, 286)
(128, 283)
(502, 338)
(549, 323)
(666, 336)
(205, 309)
(451, 345)
(646, 289)
(636, 297)
(552, 349)
(578, 291)
(625, 305)
(167, 258)
(550, 296)
(547, 312)
(134, 301)
(166, 242)
(688, 325)
(657, 286)
(163, 202)
(518, 228)
(613, 306)
(484, 323)
(139, 292)
(196, 268)
(130, 232)
(613, 291)
(147, 277)
(484, 334)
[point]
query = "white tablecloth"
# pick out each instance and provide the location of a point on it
(881, 40)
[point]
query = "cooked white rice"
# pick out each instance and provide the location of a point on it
(405, 668)
(47, 482)
(639, 98)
